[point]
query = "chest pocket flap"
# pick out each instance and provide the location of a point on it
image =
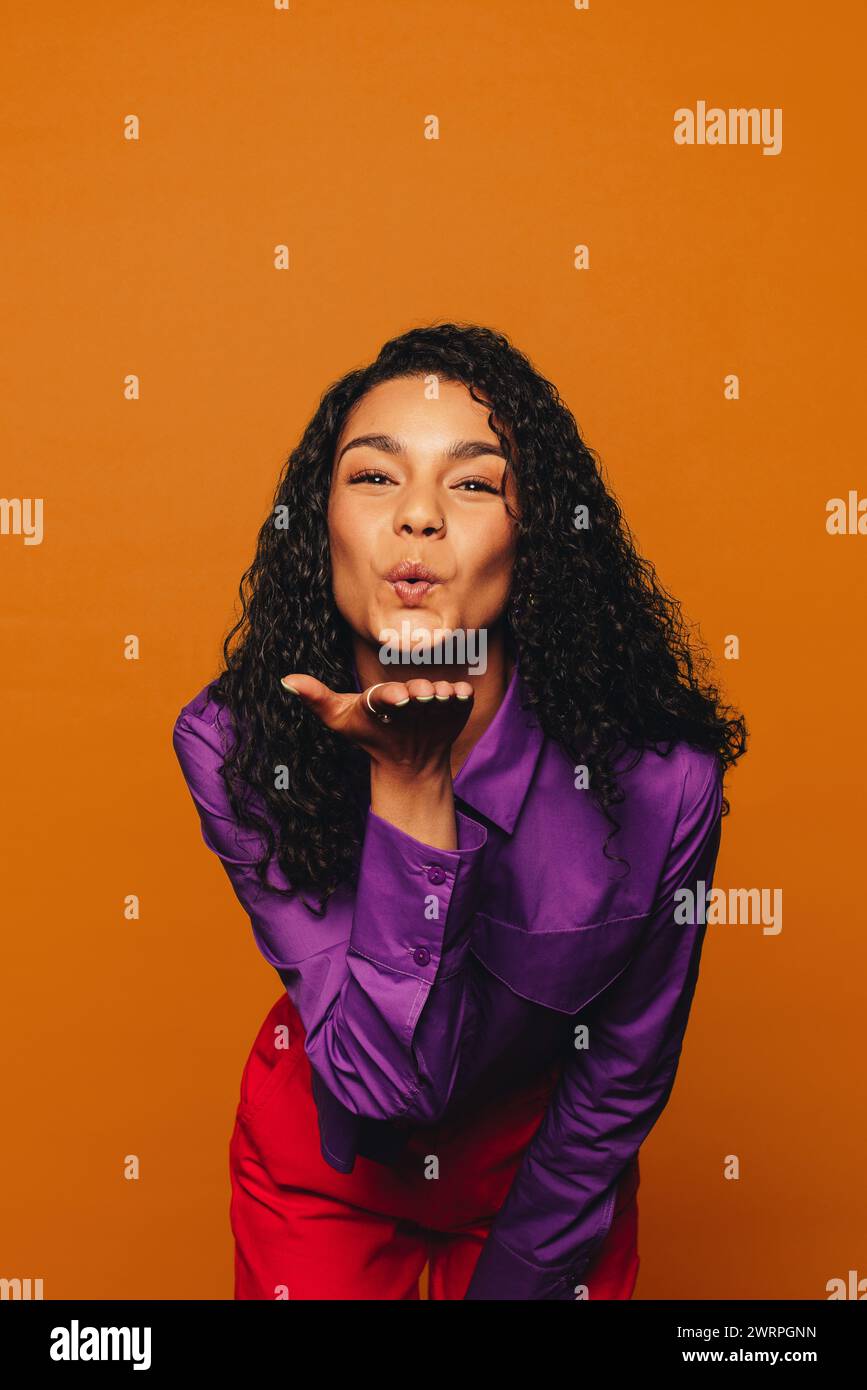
(563, 969)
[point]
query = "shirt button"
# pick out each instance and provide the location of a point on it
(421, 955)
(436, 874)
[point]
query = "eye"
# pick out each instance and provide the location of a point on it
(481, 483)
(369, 475)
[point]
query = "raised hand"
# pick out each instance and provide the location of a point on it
(423, 719)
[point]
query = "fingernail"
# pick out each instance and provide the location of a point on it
(286, 686)
(402, 702)
(463, 697)
(443, 697)
(423, 699)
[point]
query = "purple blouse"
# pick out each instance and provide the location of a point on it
(453, 973)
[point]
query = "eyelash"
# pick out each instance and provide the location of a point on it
(377, 473)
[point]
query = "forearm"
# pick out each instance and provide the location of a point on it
(366, 987)
(390, 1042)
(420, 804)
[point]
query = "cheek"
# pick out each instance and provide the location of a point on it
(346, 540)
(352, 544)
(486, 560)
(342, 556)
(489, 554)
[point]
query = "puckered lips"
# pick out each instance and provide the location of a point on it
(412, 581)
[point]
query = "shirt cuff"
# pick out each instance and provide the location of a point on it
(414, 901)
(500, 1274)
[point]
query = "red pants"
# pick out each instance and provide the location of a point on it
(304, 1231)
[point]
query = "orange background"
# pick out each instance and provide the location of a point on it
(155, 257)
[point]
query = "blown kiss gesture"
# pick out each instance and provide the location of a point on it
(407, 727)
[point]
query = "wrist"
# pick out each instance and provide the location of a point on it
(432, 779)
(421, 803)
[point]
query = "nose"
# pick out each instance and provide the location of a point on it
(419, 516)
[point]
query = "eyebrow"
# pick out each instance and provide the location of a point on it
(458, 449)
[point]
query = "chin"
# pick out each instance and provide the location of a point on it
(404, 628)
(423, 619)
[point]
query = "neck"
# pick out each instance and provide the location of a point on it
(489, 687)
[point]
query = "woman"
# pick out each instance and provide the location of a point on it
(465, 868)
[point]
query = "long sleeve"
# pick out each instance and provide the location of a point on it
(560, 1206)
(379, 981)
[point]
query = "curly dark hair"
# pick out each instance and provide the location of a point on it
(609, 663)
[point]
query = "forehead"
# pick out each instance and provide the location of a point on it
(419, 410)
